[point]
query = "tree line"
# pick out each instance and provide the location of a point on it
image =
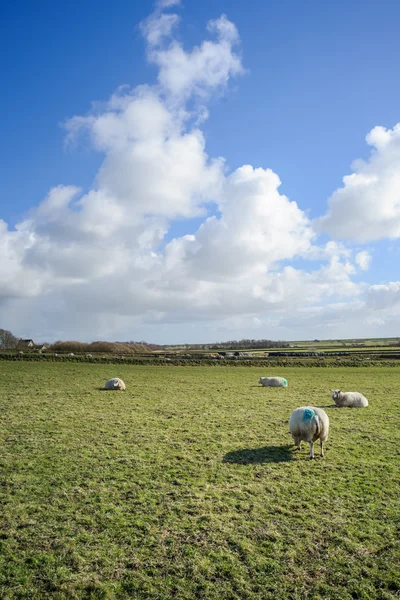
(8, 341)
(245, 344)
(250, 344)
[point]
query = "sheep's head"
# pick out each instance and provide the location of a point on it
(335, 395)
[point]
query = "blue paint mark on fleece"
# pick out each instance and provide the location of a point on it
(284, 383)
(308, 414)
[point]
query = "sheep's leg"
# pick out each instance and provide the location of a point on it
(311, 449)
(297, 442)
(322, 447)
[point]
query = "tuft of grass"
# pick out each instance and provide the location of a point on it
(187, 485)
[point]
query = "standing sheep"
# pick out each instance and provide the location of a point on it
(308, 424)
(351, 399)
(273, 381)
(114, 384)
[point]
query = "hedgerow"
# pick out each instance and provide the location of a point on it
(192, 362)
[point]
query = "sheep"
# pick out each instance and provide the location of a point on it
(351, 399)
(309, 424)
(70, 355)
(273, 381)
(114, 384)
(89, 355)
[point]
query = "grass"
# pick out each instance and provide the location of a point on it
(187, 485)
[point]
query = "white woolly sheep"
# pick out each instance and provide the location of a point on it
(114, 384)
(350, 399)
(273, 381)
(70, 355)
(308, 424)
(89, 355)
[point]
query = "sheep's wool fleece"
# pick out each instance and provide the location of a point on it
(114, 384)
(308, 414)
(302, 423)
(349, 399)
(273, 381)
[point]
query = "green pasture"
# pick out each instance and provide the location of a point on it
(187, 485)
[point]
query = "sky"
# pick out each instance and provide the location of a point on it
(183, 172)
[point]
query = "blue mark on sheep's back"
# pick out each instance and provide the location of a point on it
(308, 414)
(284, 383)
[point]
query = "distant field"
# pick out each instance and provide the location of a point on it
(306, 345)
(187, 485)
(310, 348)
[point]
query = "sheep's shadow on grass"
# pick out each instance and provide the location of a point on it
(253, 456)
(271, 387)
(102, 389)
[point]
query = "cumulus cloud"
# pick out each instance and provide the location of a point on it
(157, 27)
(155, 170)
(367, 207)
(257, 227)
(198, 72)
(16, 279)
(101, 262)
(363, 260)
(384, 295)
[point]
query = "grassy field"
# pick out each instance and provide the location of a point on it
(187, 485)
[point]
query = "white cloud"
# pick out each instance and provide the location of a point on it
(167, 3)
(16, 279)
(384, 295)
(367, 207)
(363, 260)
(158, 27)
(374, 321)
(257, 227)
(198, 72)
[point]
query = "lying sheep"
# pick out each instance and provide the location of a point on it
(308, 424)
(114, 384)
(273, 381)
(352, 399)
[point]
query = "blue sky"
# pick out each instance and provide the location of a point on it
(315, 79)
